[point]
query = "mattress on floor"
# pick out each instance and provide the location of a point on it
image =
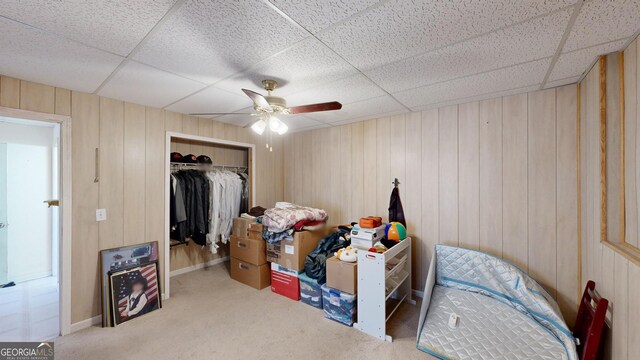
(487, 329)
(504, 312)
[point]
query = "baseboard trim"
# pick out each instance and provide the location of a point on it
(199, 266)
(96, 320)
(418, 293)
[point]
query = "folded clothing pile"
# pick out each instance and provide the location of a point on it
(281, 221)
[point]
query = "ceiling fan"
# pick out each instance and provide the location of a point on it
(267, 107)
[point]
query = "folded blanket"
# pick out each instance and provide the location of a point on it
(285, 216)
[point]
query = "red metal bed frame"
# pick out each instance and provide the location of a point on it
(590, 322)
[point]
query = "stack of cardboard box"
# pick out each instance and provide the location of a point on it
(248, 255)
(339, 293)
(287, 261)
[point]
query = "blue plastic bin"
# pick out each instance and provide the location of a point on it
(338, 305)
(310, 291)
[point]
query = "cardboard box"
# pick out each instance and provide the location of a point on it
(255, 235)
(282, 269)
(364, 238)
(342, 275)
(273, 252)
(241, 227)
(294, 252)
(285, 283)
(256, 276)
(256, 227)
(248, 250)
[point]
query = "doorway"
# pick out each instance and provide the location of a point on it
(29, 229)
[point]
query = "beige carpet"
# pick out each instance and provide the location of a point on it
(210, 316)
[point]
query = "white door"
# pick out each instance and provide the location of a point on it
(29, 310)
(3, 214)
(30, 233)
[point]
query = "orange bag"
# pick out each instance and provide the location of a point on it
(370, 222)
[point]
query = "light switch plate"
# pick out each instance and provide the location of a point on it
(101, 214)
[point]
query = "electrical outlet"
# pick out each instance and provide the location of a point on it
(101, 214)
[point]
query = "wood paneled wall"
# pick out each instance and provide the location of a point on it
(617, 278)
(498, 175)
(131, 139)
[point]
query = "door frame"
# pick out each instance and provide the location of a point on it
(170, 135)
(65, 182)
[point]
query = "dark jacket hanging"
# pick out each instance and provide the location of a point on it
(396, 213)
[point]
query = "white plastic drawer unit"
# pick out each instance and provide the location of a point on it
(384, 283)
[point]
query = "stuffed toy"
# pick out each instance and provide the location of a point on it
(347, 254)
(378, 248)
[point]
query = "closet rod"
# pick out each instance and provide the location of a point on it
(206, 166)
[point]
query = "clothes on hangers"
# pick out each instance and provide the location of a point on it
(226, 199)
(204, 203)
(190, 204)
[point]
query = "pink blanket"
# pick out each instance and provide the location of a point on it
(285, 215)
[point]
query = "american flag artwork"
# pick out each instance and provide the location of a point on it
(122, 287)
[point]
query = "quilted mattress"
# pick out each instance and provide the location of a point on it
(487, 329)
(503, 312)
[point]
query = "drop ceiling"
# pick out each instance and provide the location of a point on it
(378, 58)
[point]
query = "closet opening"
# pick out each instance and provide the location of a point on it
(211, 182)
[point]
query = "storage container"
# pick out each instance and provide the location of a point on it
(248, 250)
(256, 276)
(338, 305)
(310, 291)
(285, 282)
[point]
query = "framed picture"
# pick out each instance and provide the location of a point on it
(134, 292)
(117, 259)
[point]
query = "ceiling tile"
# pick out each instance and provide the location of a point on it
(35, 55)
(562, 82)
(494, 81)
(316, 15)
(211, 99)
(301, 122)
(492, 95)
(399, 29)
(116, 26)
(241, 119)
(309, 128)
(210, 40)
(602, 21)
(142, 84)
(521, 43)
(575, 63)
(306, 65)
(360, 110)
(345, 91)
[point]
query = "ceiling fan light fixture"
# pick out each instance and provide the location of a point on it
(277, 126)
(282, 129)
(274, 123)
(259, 126)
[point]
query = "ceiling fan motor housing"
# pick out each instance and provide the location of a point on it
(278, 104)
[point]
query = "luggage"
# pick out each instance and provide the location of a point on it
(370, 222)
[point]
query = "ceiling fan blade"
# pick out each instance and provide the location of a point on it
(334, 105)
(258, 99)
(204, 114)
